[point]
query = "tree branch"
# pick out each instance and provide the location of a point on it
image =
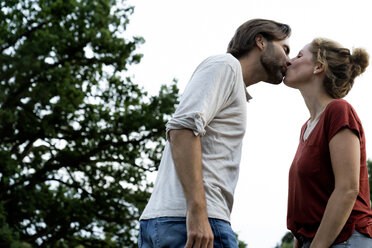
(25, 34)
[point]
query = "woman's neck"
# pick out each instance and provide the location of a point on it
(316, 102)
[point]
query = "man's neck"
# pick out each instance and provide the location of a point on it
(253, 71)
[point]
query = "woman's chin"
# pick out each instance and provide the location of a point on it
(288, 83)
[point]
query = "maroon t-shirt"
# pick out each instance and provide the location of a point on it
(311, 178)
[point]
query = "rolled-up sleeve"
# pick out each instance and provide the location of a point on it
(192, 121)
(205, 95)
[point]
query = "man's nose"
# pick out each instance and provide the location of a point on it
(288, 60)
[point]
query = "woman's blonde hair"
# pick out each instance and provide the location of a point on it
(340, 65)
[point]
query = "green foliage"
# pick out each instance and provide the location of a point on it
(241, 244)
(287, 241)
(76, 135)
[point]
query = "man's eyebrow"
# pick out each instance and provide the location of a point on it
(287, 49)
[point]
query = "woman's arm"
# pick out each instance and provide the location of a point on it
(345, 157)
(297, 243)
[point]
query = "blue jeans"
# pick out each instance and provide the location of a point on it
(357, 240)
(171, 232)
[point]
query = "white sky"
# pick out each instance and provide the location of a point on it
(180, 34)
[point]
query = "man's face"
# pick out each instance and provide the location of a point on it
(274, 59)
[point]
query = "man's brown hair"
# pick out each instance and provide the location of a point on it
(244, 38)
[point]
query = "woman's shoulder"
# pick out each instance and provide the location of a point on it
(340, 109)
(338, 105)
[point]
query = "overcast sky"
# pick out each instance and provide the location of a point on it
(180, 34)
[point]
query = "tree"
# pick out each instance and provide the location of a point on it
(77, 136)
(287, 241)
(241, 244)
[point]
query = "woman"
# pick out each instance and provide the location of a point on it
(328, 197)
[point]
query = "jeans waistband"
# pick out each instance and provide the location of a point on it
(303, 239)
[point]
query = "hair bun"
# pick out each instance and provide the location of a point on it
(359, 60)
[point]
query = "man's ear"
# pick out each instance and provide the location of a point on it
(260, 41)
(318, 68)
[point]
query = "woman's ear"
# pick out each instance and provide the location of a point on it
(318, 68)
(260, 42)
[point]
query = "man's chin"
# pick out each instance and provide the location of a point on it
(275, 81)
(276, 78)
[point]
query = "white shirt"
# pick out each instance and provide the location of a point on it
(213, 105)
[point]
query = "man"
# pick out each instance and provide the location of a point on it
(193, 195)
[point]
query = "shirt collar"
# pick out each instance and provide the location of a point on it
(247, 95)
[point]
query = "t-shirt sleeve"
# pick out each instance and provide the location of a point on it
(342, 115)
(206, 93)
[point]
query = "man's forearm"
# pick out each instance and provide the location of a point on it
(187, 157)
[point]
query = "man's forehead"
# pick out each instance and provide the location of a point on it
(283, 42)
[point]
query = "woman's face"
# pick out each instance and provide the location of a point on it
(301, 68)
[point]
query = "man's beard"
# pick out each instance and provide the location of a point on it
(271, 63)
